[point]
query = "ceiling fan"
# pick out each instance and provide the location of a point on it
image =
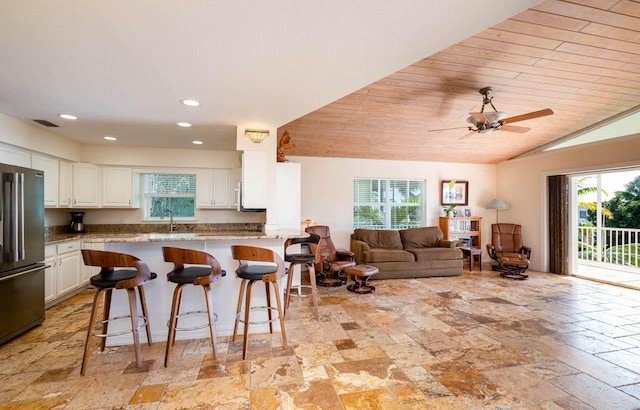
(490, 121)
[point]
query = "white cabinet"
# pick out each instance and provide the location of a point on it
(288, 194)
(50, 166)
(50, 259)
(64, 272)
(212, 188)
(119, 188)
(65, 188)
(89, 271)
(86, 185)
(235, 178)
(69, 266)
(14, 156)
(254, 180)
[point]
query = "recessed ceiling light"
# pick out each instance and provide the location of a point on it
(109, 138)
(183, 124)
(191, 103)
(68, 116)
(197, 142)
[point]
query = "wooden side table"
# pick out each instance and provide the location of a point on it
(472, 254)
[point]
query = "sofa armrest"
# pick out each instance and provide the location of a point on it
(491, 250)
(526, 250)
(358, 248)
(445, 243)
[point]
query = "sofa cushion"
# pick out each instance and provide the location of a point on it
(387, 255)
(436, 254)
(426, 237)
(387, 239)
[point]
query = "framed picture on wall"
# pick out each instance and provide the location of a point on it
(455, 192)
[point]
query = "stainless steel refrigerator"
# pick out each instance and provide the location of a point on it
(21, 250)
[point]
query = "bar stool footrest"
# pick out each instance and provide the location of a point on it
(142, 322)
(240, 315)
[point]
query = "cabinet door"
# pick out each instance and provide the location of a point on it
(221, 188)
(14, 156)
(65, 188)
(50, 273)
(254, 179)
(212, 188)
(117, 187)
(235, 178)
(86, 183)
(89, 271)
(69, 266)
(204, 188)
(50, 166)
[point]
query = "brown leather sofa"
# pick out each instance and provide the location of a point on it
(407, 253)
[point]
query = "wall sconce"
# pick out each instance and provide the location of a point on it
(256, 136)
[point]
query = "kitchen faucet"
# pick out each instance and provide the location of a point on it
(170, 218)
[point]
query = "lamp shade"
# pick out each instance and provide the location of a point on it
(497, 203)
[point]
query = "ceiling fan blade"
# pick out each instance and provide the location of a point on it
(514, 128)
(528, 116)
(469, 134)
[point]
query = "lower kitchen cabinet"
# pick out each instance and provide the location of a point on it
(64, 272)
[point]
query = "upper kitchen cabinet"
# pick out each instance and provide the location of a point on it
(120, 188)
(50, 166)
(212, 188)
(253, 194)
(86, 185)
(65, 188)
(14, 156)
(235, 178)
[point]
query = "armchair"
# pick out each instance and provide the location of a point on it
(507, 249)
(332, 261)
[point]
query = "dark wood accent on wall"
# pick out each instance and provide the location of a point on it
(558, 187)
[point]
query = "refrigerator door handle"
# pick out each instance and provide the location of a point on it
(20, 205)
(24, 272)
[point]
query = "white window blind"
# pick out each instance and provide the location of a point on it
(388, 203)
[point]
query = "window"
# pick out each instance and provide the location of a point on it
(174, 192)
(388, 203)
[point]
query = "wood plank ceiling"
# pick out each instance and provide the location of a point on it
(579, 58)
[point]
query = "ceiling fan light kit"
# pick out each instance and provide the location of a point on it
(486, 122)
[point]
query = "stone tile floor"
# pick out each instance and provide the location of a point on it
(469, 342)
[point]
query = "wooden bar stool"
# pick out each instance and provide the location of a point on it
(207, 272)
(307, 259)
(106, 281)
(269, 271)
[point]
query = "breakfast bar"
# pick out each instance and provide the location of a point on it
(148, 247)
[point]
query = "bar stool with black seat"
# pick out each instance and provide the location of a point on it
(308, 259)
(257, 264)
(131, 275)
(206, 272)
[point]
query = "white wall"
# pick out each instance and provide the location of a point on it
(37, 138)
(327, 188)
(522, 184)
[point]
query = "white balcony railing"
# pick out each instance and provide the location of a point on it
(618, 246)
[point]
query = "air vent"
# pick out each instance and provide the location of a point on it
(46, 123)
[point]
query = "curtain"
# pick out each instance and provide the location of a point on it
(558, 188)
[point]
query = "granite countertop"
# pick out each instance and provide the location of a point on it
(173, 236)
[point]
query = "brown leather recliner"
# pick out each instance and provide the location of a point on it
(332, 261)
(507, 249)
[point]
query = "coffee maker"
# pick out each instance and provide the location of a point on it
(76, 225)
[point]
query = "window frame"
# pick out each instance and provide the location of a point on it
(146, 196)
(384, 203)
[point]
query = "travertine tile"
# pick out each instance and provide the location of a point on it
(469, 342)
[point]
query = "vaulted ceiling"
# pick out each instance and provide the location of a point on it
(345, 79)
(581, 59)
